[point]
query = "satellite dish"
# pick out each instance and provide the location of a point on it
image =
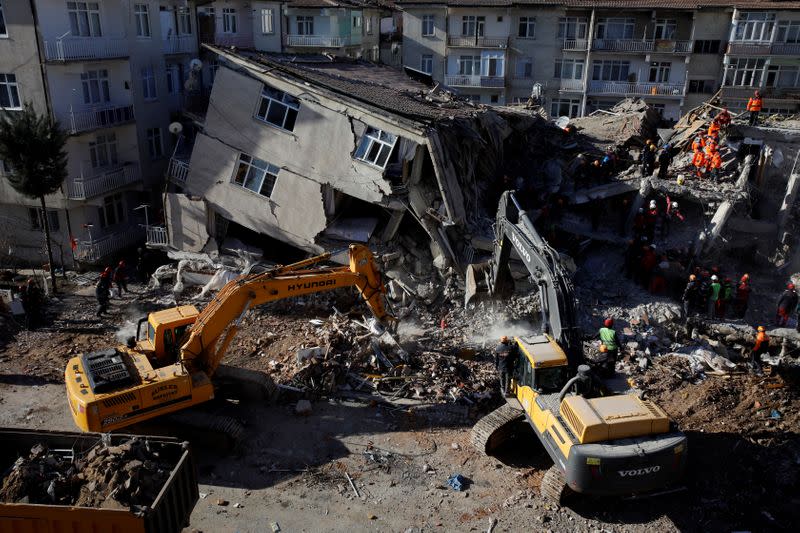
(195, 64)
(176, 128)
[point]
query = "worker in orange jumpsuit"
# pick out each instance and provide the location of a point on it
(711, 146)
(699, 162)
(715, 164)
(713, 129)
(761, 346)
(754, 107)
(697, 142)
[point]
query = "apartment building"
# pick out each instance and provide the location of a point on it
(579, 56)
(112, 72)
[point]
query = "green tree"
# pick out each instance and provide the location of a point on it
(32, 146)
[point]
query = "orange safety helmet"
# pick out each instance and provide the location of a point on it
(692, 277)
(603, 348)
(504, 339)
(761, 328)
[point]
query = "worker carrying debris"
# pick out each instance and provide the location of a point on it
(102, 292)
(742, 297)
(754, 107)
(786, 304)
(505, 359)
(610, 341)
(761, 346)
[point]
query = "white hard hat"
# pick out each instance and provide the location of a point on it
(714, 278)
(675, 205)
(652, 204)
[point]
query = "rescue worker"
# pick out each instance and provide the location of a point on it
(754, 107)
(689, 297)
(638, 224)
(742, 296)
(699, 162)
(120, 278)
(726, 296)
(711, 146)
(786, 304)
(609, 339)
(648, 160)
(697, 142)
(505, 358)
(723, 119)
(650, 220)
(715, 166)
(664, 160)
(142, 264)
(673, 212)
(31, 300)
(714, 293)
(761, 346)
(102, 292)
(713, 129)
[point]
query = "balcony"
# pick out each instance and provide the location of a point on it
(228, 40)
(770, 94)
(570, 85)
(471, 41)
(101, 116)
(178, 170)
(85, 48)
(635, 89)
(763, 49)
(622, 45)
(102, 182)
(317, 41)
(156, 237)
(574, 45)
(94, 250)
(785, 49)
(183, 44)
(490, 82)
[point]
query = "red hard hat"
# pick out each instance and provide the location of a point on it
(122, 263)
(790, 286)
(608, 322)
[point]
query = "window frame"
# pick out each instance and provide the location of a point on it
(707, 46)
(230, 21)
(141, 14)
(526, 61)
(103, 151)
(607, 69)
(473, 61)
(423, 59)
(659, 71)
(628, 25)
(305, 25)
(572, 64)
(3, 27)
(573, 105)
(529, 25)
(95, 80)
(291, 107)
(741, 68)
(11, 90)
(155, 149)
(754, 22)
(249, 167)
(371, 138)
(184, 22)
(267, 21)
(89, 16)
(36, 220)
(149, 85)
(428, 19)
(579, 24)
(114, 204)
(665, 25)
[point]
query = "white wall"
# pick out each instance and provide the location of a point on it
(267, 42)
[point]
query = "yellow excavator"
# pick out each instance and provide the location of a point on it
(172, 366)
(603, 438)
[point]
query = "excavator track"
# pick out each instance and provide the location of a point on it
(495, 428)
(213, 430)
(554, 487)
(250, 384)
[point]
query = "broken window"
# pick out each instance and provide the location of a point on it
(278, 108)
(665, 29)
(376, 147)
(615, 28)
(754, 26)
(610, 70)
(569, 69)
(84, 19)
(527, 27)
(305, 25)
(659, 71)
(229, 21)
(572, 28)
(95, 86)
(428, 27)
(744, 72)
(113, 210)
(255, 175)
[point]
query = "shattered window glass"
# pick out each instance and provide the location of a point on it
(255, 175)
(375, 147)
(278, 108)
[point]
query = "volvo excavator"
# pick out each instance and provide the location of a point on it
(602, 437)
(172, 366)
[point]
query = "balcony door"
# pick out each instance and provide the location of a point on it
(84, 19)
(103, 151)
(493, 64)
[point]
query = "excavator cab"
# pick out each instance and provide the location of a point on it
(165, 332)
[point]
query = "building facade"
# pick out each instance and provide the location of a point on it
(113, 73)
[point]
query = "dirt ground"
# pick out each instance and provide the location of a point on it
(293, 471)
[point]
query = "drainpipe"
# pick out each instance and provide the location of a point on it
(587, 68)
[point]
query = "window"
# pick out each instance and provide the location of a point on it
(213, 67)
(95, 86)
(154, 144)
(788, 32)
(278, 108)
(184, 22)
(469, 65)
(572, 28)
(472, 26)
(267, 21)
(665, 29)
(37, 220)
(615, 28)
(356, 21)
(255, 175)
(428, 27)
(174, 79)
(754, 26)
(659, 72)
(368, 25)
(375, 147)
(103, 151)
(5, 168)
(744, 72)
(707, 47)
(84, 19)
(9, 92)
(565, 108)
(229, 20)
(426, 63)
(527, 27)
(610, 70)
(113, 210)
(702, 86)
(305, 25)
(550, 379)
(782, 76)
(494, 99)
(141, 13)
(149, 83)
(569, 69)
(493, 63)
(524, 67)
(3, 32)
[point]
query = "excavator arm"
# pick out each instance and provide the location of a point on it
(514, 229)
(218, 323)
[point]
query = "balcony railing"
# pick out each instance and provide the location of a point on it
(763, 49)
(95, 250)
(156, 236)
(570, 85)
(769, 93)
(578, 45)
(178, 170)
(471, 41)
(228, 39)
(85, 48)
(496, 82)
(780, 49)
(317, 41)
(101, 116)
(183, 44)
(633, 88)
(622, 45)
(103, 182)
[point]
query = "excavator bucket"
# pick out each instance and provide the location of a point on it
(476, 283)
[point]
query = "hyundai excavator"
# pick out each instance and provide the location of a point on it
(172, 366)
(602, 437)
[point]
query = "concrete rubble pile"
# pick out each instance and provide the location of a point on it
(112, 477)
(631, 122)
